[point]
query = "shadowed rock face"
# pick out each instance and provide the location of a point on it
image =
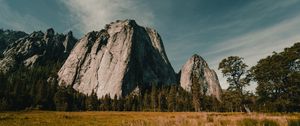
(8, 36)
(37, 48)
(196, 67)
(117, 60)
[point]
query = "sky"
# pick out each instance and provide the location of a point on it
(213, 29)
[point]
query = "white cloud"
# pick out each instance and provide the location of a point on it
(9, 18)
(88, 15)
(256, 45)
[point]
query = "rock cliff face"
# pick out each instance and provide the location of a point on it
(117, 60)
(8, 36)
(37, 48)
(196, 68)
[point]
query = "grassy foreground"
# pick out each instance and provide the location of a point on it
(45, 118)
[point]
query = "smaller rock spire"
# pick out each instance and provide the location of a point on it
(69, 42)
(197, 67)
(49, 33)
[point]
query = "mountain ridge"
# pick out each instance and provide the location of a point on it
(36, 48)
(117, 60)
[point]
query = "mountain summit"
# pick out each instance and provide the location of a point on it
(35, 49)
(117, 60)
(196, 71)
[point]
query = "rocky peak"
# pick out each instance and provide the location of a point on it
(36, 35)
(49, 33)
(69, 42)
(36, 48)
(198, 61)
(70, 34)
(7, 37)
(197, 68)
(117, 60)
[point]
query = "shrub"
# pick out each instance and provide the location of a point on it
(268, 122)
(248, 122)
(294, 122)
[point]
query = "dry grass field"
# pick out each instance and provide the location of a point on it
(49, 118)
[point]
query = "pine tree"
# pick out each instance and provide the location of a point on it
(92, 102)
(140, 102)
(107, 103)
(120, 105)
(154, 102)
(146, 101)
(3, 84)
(41, 96)
(128, 103)
(196, 93)
(162, 102)
(4, 104)
(62, 100)
(134, 103)
(188, 101)
(172, 99)
(81, 101)
(115, 104)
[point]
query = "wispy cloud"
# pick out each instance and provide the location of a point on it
(252, 31)
(88, 15)
(256, 45)
(11, 19)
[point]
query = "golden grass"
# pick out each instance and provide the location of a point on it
(49, 118)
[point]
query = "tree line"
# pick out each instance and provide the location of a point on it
(277, 77)
(32, 89)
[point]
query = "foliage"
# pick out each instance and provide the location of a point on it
(234, 68)
(294, 122)
(268, 122)
(278, 79)
(197, 93)
(33, 89)
(248, 122)
(238, 77)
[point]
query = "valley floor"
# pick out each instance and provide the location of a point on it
(51, 118)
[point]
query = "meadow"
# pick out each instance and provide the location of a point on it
(52, 118)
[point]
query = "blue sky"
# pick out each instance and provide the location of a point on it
(213, 29)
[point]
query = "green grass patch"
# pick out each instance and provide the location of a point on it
(248, 122)
(268, 122)
(294, 122)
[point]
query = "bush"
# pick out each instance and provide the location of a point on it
(294, 122)
(248, 122)
(267, 122)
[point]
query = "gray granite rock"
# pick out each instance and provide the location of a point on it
(36, 48)
(196, 67)
(117, 60)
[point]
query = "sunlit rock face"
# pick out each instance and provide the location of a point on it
(197, 68)
(117, 60)
(35, 49)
